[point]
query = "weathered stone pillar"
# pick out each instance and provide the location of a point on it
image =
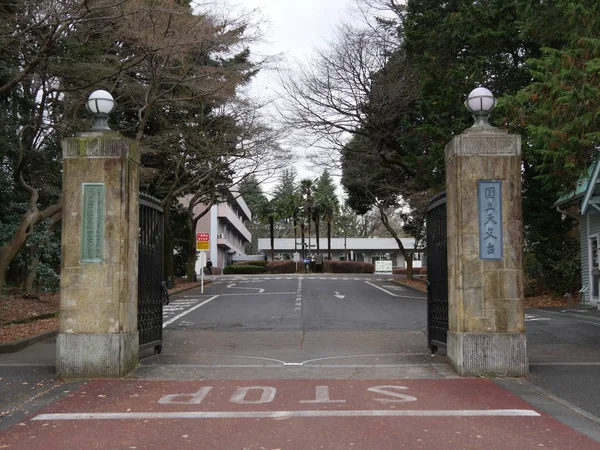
(98, 318)
(486, 334)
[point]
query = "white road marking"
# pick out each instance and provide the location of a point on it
(170, 321)
(322, 396)
(303, 363)
(233, 286)
(533, 317)
(256, 293)
(391, 293)
(290, 414)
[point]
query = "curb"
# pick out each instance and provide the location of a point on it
(17, 346)
(13, 347)
(410, 287)
(189, 288)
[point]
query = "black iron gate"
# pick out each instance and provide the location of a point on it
(151, 289)
(437, 275)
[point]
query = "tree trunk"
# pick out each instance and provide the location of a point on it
(295, 235)
(190, 269)
(168, 246)
(272, 232)
(407, 255)
(29, 285)
(303, 246)
(12, 248)
(317, 233)
(329, 240)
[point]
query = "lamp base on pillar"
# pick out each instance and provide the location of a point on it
(488, 354)
(101, 355)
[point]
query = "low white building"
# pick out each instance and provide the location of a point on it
(346, 249)
(228, 234)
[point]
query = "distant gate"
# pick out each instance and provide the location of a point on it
(151, 289)
(437, 275)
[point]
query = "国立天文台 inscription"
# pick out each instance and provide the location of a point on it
(489, 196)
(93, 217)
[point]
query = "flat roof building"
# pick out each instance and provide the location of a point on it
(346, 249)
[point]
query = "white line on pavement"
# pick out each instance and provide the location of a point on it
(170, 321)
(283, 414)
(257, 293)
(391, 293)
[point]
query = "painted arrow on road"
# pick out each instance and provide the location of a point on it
(232, 285)
(338, 295)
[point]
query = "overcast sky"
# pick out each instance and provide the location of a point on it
(293, 29)
(297, 25)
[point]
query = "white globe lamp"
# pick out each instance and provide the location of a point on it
(481, 103)
(100, 103)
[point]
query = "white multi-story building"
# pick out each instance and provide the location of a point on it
(225, 223)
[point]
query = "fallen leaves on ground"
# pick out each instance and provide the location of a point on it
(16, 332)
(16, 307)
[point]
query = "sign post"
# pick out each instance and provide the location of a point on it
(202, 245)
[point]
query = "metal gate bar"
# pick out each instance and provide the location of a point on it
(437, 275)
(150, 273)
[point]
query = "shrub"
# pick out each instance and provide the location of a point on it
(416, 271)
(368, 268)
(244, 270)
(348, 267)
(261, 263)
(283, 266)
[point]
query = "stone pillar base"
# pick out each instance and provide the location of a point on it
(80, 355)
(488, 354)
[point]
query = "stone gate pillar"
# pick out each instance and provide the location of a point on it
(486, 332)
(98, 305)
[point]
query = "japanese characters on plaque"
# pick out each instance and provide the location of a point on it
(93, 216)
(489, 193)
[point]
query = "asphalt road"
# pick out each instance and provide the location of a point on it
(322, 346)
(320, 325)
(564, 354)
(306, 303)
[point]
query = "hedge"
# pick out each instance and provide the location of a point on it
(245, 270)
(256, 262)
(335, 266)
(283, 266)
(416, 271)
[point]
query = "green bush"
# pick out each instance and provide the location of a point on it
(245, 270)
(260, 263)
(283, 267)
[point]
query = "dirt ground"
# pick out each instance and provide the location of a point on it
(26, 316)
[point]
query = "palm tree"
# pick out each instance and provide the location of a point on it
(316, 217)
(327, 203)
(267, 213)
(307, 188)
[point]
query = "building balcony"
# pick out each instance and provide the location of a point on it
(224, 213)
(225, 243)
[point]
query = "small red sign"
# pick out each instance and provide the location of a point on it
(202, 237)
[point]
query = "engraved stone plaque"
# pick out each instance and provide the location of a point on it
(93, 217)
(489, 208)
